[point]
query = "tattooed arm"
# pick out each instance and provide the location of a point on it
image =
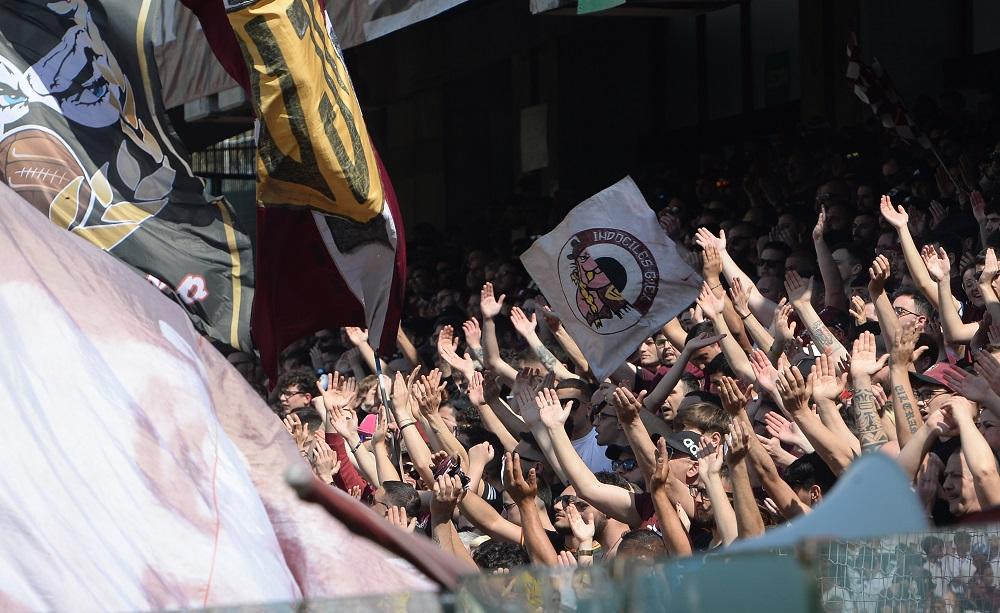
(800, 295)
(904, 402)
(526, 328)
(863, 406)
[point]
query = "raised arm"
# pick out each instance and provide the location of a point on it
(526, 326)
(477, 396)
(833, 285)
(610, 499)
(800, 296)
(713, 307)
(524, 491)
(938, 266)
(978, 454)
(566, 341)
(878, 275)
(762, 308)
(674, 535)
(420, 454)
(406, 347)
(863, 410)
(795, 391)
(655, 399)
(749, 522)
(486, 519)
(710, 462)
(904, 402)
(911, 455)
(490, 307)
(740, 298)
(359, 338)
(899, 219)
(429, 392)
(827, 388)
(629, 410)
(447, 492)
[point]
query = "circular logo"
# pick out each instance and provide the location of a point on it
(609, 278)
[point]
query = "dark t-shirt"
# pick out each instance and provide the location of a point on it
(646, 379)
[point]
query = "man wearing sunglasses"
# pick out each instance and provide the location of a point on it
(607, 531)
(579, 426)
(912, 308)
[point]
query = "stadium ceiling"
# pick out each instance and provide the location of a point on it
(635, 8)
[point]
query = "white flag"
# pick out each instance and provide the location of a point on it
(611, 275)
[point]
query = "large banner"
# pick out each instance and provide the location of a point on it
(140, 471)
(83, 138)
(611, 275)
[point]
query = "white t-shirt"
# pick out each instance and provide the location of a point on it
(592, 453)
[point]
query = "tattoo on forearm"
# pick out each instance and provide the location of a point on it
(907, 406)
(821, 335)
(548, 360)
(867, 420)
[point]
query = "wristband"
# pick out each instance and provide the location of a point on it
(588, 552)
(358, 446)
(743, 318)
(409, 423)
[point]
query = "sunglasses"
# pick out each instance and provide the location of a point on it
(568, 499)
(624, 465)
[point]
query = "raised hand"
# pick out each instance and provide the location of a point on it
(733, 399)
(827, 385)
(710, 458)
(937, 262)
(447, 340)
(787, 432)
(448, 350)
(878, 276)
(799, 290)
(583, 526)
(942, 424)
(739, 442)
(857, 310)
(299, 431)
(550, 410)
(381, 426)
(429, 392)
(971, 386)
(476, 394)
(481, 454)
(764, 372)
(703, 238)
(896, 216)
(711, 304)
(340, 392)
(448, 492)
(863, 360)
(397, 517)
(488, 305)
(524, 326)
(357, 336)
(978, 206)
(551, 319)
(988, 367)
(401, 392)
(774, 449)
(783, 326)
(491, 386)
(343, 421)
(711, 262)
(794, 390)
(701, 341)
(740, 298)
(566, 559)
(627, 405)
(355, 491)
(904, 341)
(661, 472)
(473, 333)
(991, 270)
(820, 227)
(520, 487)
(324, 461)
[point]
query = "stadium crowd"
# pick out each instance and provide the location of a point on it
(851, 305)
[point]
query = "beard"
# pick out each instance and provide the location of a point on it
(703, 519)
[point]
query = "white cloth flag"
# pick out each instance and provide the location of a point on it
(611, 275)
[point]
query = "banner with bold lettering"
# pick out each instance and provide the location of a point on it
(611, 275)
(330, 249)
(84, 138)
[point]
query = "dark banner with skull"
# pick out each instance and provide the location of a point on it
(84, 139)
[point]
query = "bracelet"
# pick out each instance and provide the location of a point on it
(715, 286)
(409, 423)
(358, 446)
(743, 318)
(588, 552)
